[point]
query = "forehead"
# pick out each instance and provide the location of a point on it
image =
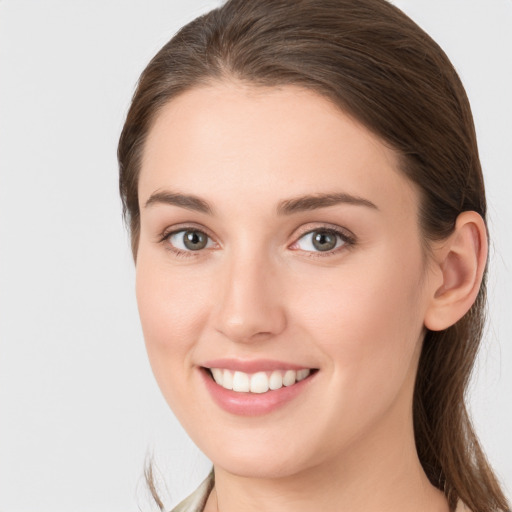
(263, 144)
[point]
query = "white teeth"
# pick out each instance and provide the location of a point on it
(218, 375)
(289, 377)
(302, 374)
(259, 382)
(241, 382)
(227, 379)
(276, 380)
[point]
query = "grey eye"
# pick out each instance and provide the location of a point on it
(320, 240)
(324, 241)
(190, 240)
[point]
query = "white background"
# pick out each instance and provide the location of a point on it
(79, 409)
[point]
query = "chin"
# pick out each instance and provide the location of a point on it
(259, 467)
(261, 460)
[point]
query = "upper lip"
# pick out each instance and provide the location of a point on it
(253, 365)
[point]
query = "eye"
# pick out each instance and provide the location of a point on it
(321, 240)
(189, 240)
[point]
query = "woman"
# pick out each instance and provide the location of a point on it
(307, 213)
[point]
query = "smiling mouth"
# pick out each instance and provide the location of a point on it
(259, 382)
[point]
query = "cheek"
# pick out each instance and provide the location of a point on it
(173, 314)
(172, 311)
(368, 321)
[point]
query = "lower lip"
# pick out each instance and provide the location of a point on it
(252, 404)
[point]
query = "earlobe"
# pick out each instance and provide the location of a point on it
(460, 263)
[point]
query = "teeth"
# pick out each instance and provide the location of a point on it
(218, 375)
(259, 382)
(276, 380)
(227, 379)
(289, 378)
(302, 374)
(241, 382)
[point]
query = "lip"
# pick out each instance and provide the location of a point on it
(253, 404)
(252, 366)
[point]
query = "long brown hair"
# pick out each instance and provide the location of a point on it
(377, 65)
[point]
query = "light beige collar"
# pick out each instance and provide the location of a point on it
(461, 507)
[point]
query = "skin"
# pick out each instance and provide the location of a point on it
(258, 290)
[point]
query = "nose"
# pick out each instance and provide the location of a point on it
(250, 305)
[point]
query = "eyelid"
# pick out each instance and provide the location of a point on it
(346, 236)
(163, 238)
(326, 226)
(185, 226)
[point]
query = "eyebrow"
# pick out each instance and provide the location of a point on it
(313, 202)
(286, 207)
(190, 202)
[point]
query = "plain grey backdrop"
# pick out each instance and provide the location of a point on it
(79, 410)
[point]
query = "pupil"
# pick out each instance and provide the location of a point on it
(194, 240)
(324, 241)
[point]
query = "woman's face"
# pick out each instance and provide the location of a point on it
(279, 248)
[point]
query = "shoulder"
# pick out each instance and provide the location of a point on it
(197, 500)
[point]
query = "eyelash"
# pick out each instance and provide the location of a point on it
(348, 241)
(165, 236)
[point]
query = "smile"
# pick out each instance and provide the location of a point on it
(256, 387)
(258, 382)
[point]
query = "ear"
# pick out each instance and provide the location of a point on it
(459, 264)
